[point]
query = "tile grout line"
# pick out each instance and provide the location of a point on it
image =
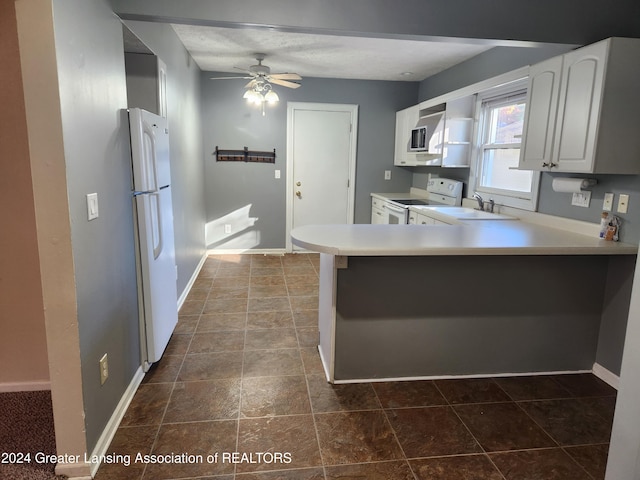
(240, 396)
(597, 408)
(166, 407)
(393, 430)
(559, 446)
(484, 451)
(306, 380)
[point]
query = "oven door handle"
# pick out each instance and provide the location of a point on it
(395, 209)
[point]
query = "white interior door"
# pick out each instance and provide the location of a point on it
(321, 151)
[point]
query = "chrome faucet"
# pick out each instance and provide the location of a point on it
(480, 201)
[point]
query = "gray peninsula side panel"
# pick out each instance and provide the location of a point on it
(402, 317)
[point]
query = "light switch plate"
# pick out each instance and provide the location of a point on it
(104, 368)
(581, 199)
(92, 206)
(607, 204)
(277, 174)
(387, 174)
(623, 203)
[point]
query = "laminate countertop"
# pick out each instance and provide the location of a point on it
(486, 237)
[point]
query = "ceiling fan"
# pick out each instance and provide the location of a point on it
(261, 74)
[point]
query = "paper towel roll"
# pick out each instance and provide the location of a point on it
(571, 185)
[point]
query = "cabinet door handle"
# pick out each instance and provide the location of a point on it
(550, 164)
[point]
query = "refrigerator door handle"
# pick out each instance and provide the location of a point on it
(158, 243)
(152, 158)
(144, 192)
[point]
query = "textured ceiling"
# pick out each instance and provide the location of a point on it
(310, 55)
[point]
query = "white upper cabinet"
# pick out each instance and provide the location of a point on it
(579, 103)
(449, 130)
(540, 122)
(582, 111)
(405, 120)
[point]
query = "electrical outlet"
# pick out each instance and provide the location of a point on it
(581, 199)
(607, 204)
(227, 228)
(104, 369)
(623, 203)
(387, 174)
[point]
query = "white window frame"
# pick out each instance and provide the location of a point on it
(500, 197)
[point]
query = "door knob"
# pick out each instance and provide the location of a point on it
(299, 194)
(298, 184)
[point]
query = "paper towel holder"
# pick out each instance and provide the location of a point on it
(572, 185)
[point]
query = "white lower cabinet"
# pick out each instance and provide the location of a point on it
(421, 219)
(377, 216)
(377, 211)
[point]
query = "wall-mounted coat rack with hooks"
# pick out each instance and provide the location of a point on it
(245, 155)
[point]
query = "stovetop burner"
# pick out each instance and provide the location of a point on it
(411, 202)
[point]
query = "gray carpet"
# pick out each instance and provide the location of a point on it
(26, 428)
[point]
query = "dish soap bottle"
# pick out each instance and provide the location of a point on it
(604, 224)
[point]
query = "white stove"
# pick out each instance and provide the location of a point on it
(440, 191)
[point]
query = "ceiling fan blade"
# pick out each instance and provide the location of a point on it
(286, 76)
(284, 83)
(227, 78)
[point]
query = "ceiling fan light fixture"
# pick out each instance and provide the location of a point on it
(253, 97)
(271, 97)
(259, 90)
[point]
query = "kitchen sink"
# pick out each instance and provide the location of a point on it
(465, 213)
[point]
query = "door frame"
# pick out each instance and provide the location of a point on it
(339, 107)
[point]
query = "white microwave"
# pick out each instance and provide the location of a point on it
(418, 142)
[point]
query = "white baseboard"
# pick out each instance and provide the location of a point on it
(192, 280)
(25, 386)
(606, 375)
(78, 471)
(449, 377)
(266, 251)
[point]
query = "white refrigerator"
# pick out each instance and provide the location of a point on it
(153, 216)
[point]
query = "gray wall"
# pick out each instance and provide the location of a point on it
(625, 438)
(488, 64)
(615, 312)
(554, 203)
(93, 95)
(229, 123)
(550, 21)
(185, 131)
(142, 81)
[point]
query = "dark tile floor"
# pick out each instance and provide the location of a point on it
(242, 374)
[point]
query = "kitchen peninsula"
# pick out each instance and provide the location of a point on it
(482, 298)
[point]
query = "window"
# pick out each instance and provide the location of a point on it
(501, 118)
